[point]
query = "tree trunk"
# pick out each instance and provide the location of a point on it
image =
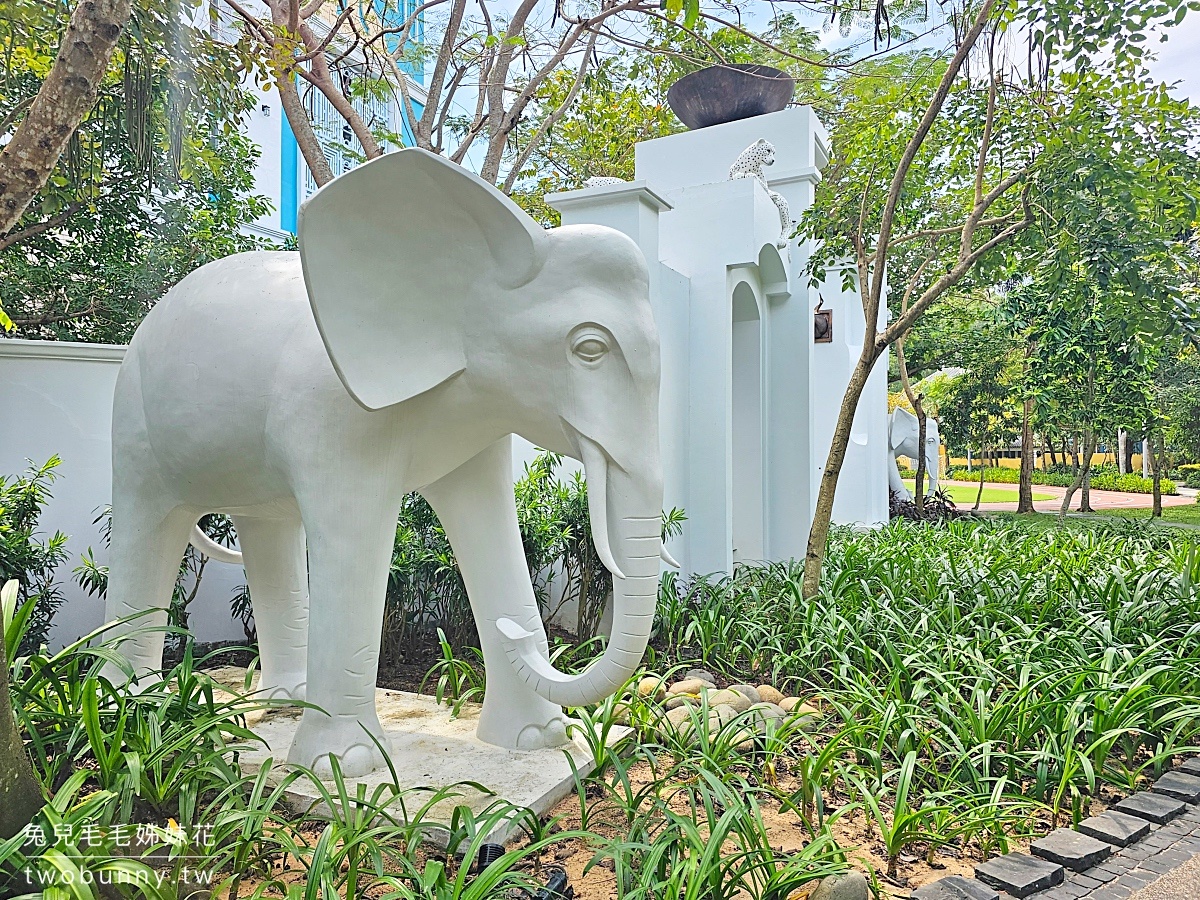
(982, 470)
(1050, 452)
(66, 96)
(1156, 474)
(1089, 450)
(1145, 454)
(818, 534)
(302, 129)
(20, 793)
(922, 433)
(1082, 470)
(1122, 451)
(922, 426)
(1025, 489)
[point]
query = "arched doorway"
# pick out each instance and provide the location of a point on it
(747, 430)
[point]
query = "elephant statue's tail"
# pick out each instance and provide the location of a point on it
(212, 549)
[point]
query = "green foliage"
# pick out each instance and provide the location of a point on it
(122, 253)
(1178, 384)
(1103, 478)
(426, 594)
(147, 784)
(156, 181)
(458, 681)
(24, 556)
(623, 101)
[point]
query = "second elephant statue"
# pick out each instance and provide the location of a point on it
(424, 320)
(904, 439)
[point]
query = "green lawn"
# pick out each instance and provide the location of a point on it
(1001, 493)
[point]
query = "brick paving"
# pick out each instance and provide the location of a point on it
(1135, 867)
(1112, 856)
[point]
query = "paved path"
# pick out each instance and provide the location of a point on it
(1163, 866)
(1181, 884)
(1099, 499)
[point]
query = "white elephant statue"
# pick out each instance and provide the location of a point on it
(904, 439)
(424, 320)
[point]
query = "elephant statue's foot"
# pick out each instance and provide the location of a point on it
(524, 729)
(320, 735)
(284, 687)
(535, 737)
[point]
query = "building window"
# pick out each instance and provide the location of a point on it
(337, 139)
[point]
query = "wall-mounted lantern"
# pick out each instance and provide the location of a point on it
(822, 324)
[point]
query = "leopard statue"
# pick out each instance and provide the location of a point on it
(750, 164)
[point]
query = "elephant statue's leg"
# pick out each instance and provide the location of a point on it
(477, 509)
(350, 523)
(895, 482)
(147, 542)
(277, 572)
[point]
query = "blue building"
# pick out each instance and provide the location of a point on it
(281, 174)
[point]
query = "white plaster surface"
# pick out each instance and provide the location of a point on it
(749, 401)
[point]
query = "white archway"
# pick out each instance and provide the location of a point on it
(746, 451)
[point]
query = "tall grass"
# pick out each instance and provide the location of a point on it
(1043, 663)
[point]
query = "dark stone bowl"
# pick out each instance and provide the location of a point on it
(726, 93)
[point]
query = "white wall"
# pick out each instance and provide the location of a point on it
(749, 400)
(57, 398)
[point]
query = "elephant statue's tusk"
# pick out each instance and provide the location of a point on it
(666, 557)
(595, 466)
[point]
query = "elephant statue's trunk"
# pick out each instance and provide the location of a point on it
(637, 530)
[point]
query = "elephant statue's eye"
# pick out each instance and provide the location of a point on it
(589, 348)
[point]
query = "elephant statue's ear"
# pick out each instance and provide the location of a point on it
(901, 423)
(395, 252)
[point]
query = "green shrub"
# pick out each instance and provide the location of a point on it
(1103, 478)
(24, 556)
(426, 593)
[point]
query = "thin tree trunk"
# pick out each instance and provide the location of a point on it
(20, 793)
(1156, 510)
(1082, 469)
(302, 129)
(818, 534)
(922, 428)
(1025, 489)
(982, 472)
(1122, 451)
(1146, 454)
(922, 433)
(66, 96)
(1089, 449)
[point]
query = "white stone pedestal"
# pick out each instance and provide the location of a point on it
(430, 750)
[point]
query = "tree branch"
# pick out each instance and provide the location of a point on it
(552, 118)
(16, 237)
(910, 153)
